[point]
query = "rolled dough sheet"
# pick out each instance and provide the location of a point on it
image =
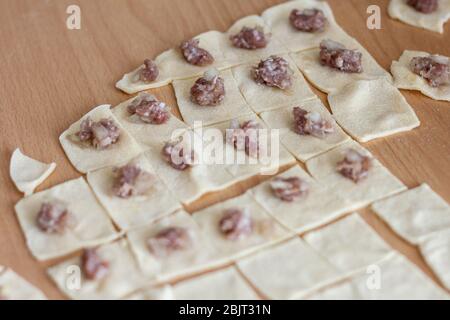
(28, 173)
(87, 158)
(93, 226)
(370, 109)
(154, 293)
(398, 9)
(263, 98)
(14, 287)
(122, 279)
(225, 284)
(134, 211)
(415, 214)
(379, 184)
(406, 79)
(304, 147)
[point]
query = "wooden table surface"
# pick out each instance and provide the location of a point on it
(50, 76)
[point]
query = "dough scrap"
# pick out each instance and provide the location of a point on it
(304, 147)
(93, 226)
(134, 211)
(86, 158)
(370, 109)
(398, 9)
(154, 293)
(14, 287)
(406, 79)
(415, 214)
(28, 173)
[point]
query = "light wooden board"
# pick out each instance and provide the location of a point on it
(50, 76)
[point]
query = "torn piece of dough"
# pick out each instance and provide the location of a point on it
(233, 105)
(287, 271)
(225, 284)
(415, 214)
(379, 184)
(399, 9)
(91, 224)
(14, 287)
(154, 293)
(263, 98)
(408, 80)
(86, 158)
(304, 147)
(263, 231)
(349, 244)
(435, 249)
(370, 109)
(193, 254)
(28, 173)
(123, 275)
(138, 210)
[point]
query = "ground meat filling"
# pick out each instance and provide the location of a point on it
(335, 55)
(424, 6)
(236, 224)
(194, 54)
(434, 69)
(178, 156)
(208, 90)
(354, 166)
(308, 20)
(100, 134)
(93, 266)
(311, 123)
(273, 72)
(149, 72)
(169, 240)
(130, 180)
(289, 189)
(250, 38)
(54, 218)
(245, 137)
(149, 109)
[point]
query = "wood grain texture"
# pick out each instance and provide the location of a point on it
(50, 76)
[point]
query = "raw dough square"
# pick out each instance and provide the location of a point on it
(263, 98)
(370, 109)
(87, 158)
(319, 207)
(225, 284)
(287, 271)
(266, 230)
(304, 147)
(134, 211)
(415, 214)
(14, 287)
(399, 9)
(122, 279)
(408, 80)
(92, 228)
(378, 185)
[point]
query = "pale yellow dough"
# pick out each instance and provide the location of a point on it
(153, 293)
(14, 287)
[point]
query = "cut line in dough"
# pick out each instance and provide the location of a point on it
(164, 292)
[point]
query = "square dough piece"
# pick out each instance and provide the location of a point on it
(147, 134)
(233, 105)
(304, 147)
(319, 207)
(136, 211)
(370, 109)
(123, 277)
(266, 230)
(179, 263)
(263, 98)
(399, 9)
(14, 287)
(87, 158)
(379, 184)
(92, 227)
(349, 244)
(225, 284)
(408, 80)
(415, 214)
(436, 251)
(287, 271)
(277, 18)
